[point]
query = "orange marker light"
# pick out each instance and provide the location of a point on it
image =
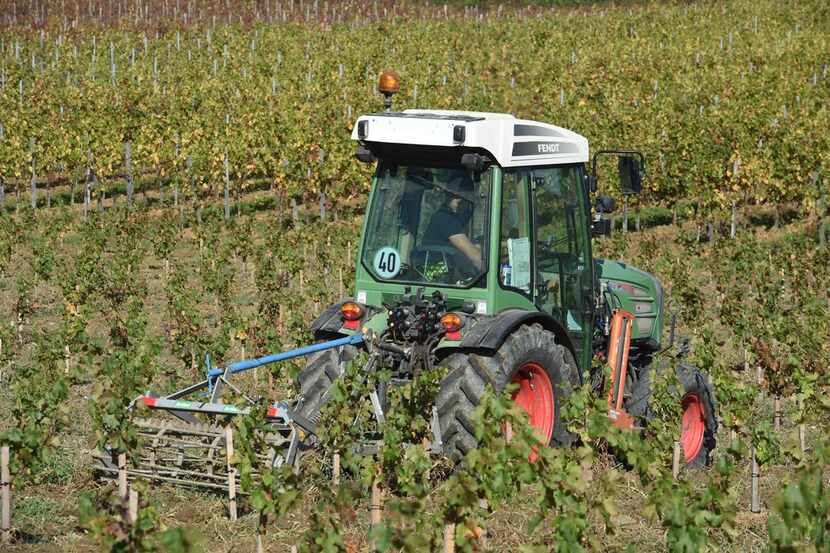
(389, 82)
(451, 322)
(351, 311)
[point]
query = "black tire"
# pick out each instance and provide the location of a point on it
(693, 382)
(638, 404)
(315, 380)
(470, 373)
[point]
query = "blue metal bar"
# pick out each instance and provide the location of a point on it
(240, 366)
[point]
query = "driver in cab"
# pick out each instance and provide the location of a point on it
(448, 224)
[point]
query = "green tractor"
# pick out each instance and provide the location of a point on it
(475, 254)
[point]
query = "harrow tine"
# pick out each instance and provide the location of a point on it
(189, 451)
(190, 456)
(292, 450)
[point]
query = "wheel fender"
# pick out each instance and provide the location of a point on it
(329, 325)
(329, 322)
(491, 332)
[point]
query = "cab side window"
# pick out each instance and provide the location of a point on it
(561, 245)
(514, 243)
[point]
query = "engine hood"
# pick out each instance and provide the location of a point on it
(637, 292)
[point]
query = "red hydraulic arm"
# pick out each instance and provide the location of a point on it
(619, 342)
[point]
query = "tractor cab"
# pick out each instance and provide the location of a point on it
(490, 210)
(475, 256)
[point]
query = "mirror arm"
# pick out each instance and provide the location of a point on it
(600, 227)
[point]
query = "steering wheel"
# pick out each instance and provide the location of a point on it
(550, 244)
(426, 255)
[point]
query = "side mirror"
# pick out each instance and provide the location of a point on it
(631, 167)
(604, 204)
(592, 183)
(631, 175)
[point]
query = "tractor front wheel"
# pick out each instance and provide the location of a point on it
(544, 370)
(698, 424)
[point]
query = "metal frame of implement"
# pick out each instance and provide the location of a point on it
(191, 454)
(217, 379)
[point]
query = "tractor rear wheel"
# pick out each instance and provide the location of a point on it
(316, 379)
(699, 423)
(530, 357)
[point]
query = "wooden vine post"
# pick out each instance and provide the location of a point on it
(259, 547)
(122, 476)
(376, 508)
(5, 482)
(821, 207)
(128, 163)
(335, 472)
(625, 214)
(227, 200)
(802, 437)
(133, 506)
(675, 465)
(449, 538)
(802, 428)
(733, 219)
(755, 505)
(776, 413)
(231, 474)
(34, 173)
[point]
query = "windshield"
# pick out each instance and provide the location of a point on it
(427, 225)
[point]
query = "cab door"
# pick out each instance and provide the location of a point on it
(561, 254)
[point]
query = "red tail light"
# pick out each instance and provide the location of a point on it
(452, 323)
(352, 313)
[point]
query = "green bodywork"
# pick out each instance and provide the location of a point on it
(637, 292)
(620, 286)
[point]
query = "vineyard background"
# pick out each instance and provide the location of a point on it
(176, 178)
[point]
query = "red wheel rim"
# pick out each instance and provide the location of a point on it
(535, 396)
(694, 426)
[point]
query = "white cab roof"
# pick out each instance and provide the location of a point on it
(512, 142)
